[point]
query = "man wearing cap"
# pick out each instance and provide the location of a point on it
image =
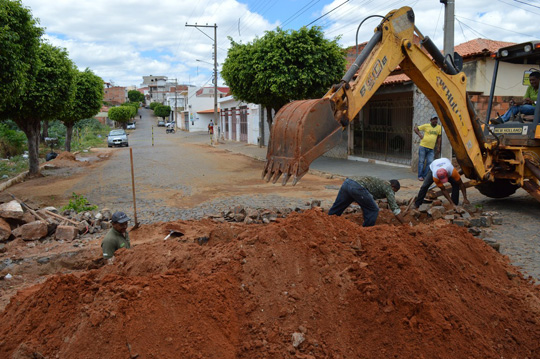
(430, 144)
(440, 172)
(117, 237)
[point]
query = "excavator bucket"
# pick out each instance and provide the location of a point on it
(302, 131)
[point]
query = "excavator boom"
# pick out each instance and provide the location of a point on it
(304, 130)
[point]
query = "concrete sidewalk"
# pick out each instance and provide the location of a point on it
(324, 165)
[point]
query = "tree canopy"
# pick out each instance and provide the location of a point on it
(153, 105)
(120, 114)
(50, 92)
(162, 111)
(134, 106)
(282, 66)
(87, 101)
(19, 39)
(135, 96)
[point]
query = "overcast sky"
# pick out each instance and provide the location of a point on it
(123, 40)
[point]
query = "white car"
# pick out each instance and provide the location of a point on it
(170, 125)
(131, 126)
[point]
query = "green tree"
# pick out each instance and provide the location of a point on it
(19, 39)
(153, 105)
(120, 114)
(135, 96)
(86, 104)
(162, 111)
(134, 106)
(50, 92)
(283, 66)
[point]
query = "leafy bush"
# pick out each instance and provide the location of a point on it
(86, 133)
(79, 203)
(12, 141)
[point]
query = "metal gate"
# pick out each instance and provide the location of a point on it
(386, 130)
(243, 124)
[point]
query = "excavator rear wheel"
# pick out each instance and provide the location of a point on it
(500, 188)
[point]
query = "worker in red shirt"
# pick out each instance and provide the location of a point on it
(441, 171)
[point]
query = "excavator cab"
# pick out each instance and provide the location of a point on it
(523, 130)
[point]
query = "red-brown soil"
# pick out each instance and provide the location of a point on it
(429, 291)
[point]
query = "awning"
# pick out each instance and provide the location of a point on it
(208, 111)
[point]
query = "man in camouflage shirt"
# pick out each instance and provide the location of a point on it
(117, 237)
(364, 191)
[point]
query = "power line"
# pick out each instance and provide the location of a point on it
(299, 12)
(519, 7)
(323, 15)
(497, 27)
(472, 30)
(523, 2)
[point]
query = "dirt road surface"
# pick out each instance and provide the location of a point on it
(174, 174)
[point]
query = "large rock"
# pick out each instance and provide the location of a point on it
(11, 210)
(34, 230)
(66, 233)
(5, 230)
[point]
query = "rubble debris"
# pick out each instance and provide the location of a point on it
(66, 233)
(34, 230)
(5, 230)
(11, 210)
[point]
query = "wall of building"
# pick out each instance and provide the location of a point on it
(115, 95)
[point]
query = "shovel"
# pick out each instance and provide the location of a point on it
(178, 232)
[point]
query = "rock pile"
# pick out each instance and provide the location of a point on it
(20, 221)
(469, 216)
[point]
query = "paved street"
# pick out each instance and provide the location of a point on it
(182, 177)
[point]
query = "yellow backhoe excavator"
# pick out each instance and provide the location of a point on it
(499, 158)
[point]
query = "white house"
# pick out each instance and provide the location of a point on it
(199, 109)
(244, 122)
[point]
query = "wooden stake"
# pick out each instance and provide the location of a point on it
(133, 187)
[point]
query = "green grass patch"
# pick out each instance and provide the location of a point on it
(12, 167)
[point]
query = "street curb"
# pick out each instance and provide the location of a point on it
(17, 179)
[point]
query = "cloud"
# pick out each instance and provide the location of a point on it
(123, 40)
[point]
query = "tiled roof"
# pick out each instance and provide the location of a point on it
(469, 49)
(480, 47)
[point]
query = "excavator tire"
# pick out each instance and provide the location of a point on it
(500, 188)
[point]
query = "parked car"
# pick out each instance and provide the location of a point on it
(161, 123)
(131, 126)
(169, 124)
(117, 138)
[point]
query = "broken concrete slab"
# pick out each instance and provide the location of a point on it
(34, 230)
(11, 210)
(5, 230)
(66, 233)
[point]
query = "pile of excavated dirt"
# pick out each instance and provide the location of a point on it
(307, 286)
(66, 156)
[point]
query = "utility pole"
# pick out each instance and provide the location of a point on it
(175, 103)
(216, 123)
(446, 150)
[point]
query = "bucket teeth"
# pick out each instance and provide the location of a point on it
(277, 174)
(286, 177)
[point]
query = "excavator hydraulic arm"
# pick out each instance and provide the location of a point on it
(304, 130)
